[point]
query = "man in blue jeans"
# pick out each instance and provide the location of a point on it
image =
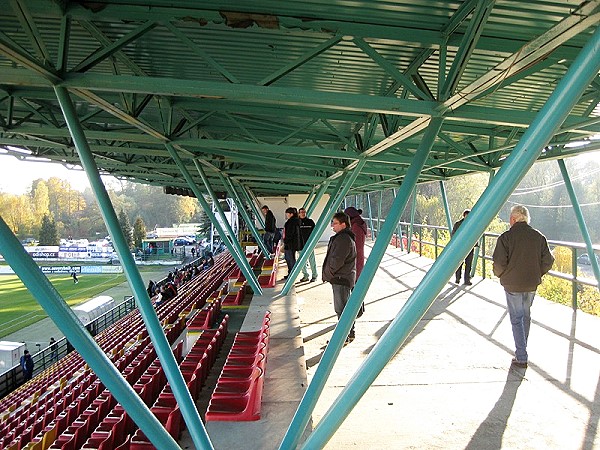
(521, 258)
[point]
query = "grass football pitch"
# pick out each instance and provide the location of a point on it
(19, 309)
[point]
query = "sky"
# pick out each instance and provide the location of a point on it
(17, 176)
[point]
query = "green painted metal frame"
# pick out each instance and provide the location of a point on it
(413, 210)
(249, 222)
(241, 261)
(580, 220)
(445, 203)
(317, 198)
(551, 116)
(163, 349)
(253, 204)
(62, 315)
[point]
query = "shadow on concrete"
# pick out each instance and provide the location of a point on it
(489, 433)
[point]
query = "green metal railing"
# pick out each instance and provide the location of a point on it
(485, 257)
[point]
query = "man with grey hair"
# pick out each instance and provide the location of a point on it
(521, 258)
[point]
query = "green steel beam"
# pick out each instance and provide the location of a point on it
(356, 298)
(445, 203)
(30, 28)
(241, 255)
(307, 56)
(49, 299)
(241, 262)
(580, 220)
(413, 209)
(99, 55)
(318, 195)
(467, 46)
(253, 205)
(242, 209)
(568, 90)
(163, 349)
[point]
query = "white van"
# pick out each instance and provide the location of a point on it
(94, 308)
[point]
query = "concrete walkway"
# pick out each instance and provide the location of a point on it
(451, 386)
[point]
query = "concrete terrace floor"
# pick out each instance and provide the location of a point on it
(451, 386)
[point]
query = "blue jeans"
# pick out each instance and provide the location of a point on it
(313, 267)
(290, 259)
(268, 238)
(341, 294)
(519, 307)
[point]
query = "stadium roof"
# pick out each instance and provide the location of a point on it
(282, 95)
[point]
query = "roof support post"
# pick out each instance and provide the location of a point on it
(371, 224)
(398, 227)
(49, 299)
(551, 116)
(481, 243)
(163, 349)
(445, 202)
(253, 205)
(379, 212)
(229, 231)
(341, 189)
(362, 286)
(249, 222)
(580, 220)
(309, 197)
(317, 198)
(240, 259)
(413, 210)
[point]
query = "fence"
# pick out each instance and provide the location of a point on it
(420, 236)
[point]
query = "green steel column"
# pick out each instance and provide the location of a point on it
(231, 189)
(163, 349)
(413, 209)
(481, 243)
(379, 212)
(253, 205)
(552, 115)
(580, 221)
(230, 234)
(317, 198)
(398, 228)
(446, 207)
(341, 188)
(240, 260)
(309, 197)
(371, 225)
(348, 317)
(49, 299)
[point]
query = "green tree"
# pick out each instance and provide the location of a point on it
(139, 232)
(48, 232)
(126, 228)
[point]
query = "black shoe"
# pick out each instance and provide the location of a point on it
(312, 280)
(349, 339)
(303, 279)
(285, 277)
(456, 281)
(516, 362)
(468, 283)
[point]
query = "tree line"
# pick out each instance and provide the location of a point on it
(51, 209)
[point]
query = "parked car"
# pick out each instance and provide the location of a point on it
(181, 241)
(584, 259)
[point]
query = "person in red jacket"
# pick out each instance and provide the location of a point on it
(359, 228)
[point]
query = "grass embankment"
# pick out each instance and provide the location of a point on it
(19, 309)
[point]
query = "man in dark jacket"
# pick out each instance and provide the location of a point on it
(521, 258)
(292, 238)
(339, 266)
(270, 227)
(27, 365)
(307, 225)
(469, 259)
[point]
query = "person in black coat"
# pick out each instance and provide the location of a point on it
(27, 365)
(292, 238)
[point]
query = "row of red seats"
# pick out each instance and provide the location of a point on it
(194, 368)
(268, 273)
(238, 393)
(126, 329)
